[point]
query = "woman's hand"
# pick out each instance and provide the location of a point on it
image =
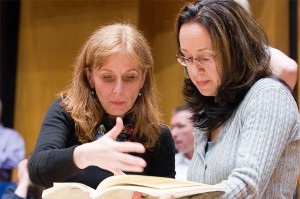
(23, 178)
(109, 154)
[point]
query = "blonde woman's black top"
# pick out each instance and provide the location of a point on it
(52, 159)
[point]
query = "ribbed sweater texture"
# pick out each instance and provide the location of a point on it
(257, 151)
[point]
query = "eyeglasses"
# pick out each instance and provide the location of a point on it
(203, 61)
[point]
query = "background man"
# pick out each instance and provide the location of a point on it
(12, 150)
(182, 132)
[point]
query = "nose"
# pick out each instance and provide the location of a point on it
(118, 87)
(174, 132)
(195, 68)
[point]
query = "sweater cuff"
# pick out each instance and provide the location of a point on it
(66, 162)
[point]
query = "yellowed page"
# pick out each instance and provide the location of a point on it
(124, 186)
(126, 192)
(148, 181)
(68, 190)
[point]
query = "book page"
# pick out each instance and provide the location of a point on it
(148, 181)
(124, 186)
(126, 192)
(68, 190)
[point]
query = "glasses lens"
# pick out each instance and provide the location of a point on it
(181, 61)
(205, 61)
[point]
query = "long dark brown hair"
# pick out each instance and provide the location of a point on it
(242, 49)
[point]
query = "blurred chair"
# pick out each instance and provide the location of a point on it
(3, 186)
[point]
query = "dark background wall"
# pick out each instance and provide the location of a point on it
(293, 34)
(9, 24)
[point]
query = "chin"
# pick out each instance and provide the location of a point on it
(116, 113)
(121, 115)
(206, 94)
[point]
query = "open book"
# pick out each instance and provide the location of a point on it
(124, 186)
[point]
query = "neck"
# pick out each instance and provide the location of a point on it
(189, 153)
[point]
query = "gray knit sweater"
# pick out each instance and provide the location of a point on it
(257, 151)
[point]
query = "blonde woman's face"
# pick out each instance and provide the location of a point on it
(117, 84)
(195, 43)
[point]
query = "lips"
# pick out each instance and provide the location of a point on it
(177, 142)
(202, 83)
(118, 103)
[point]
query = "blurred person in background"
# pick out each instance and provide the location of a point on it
(12, 150)
(25, 189)
(182, 132)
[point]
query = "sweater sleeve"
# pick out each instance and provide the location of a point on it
(52, 159)
(270, 125)
(163, 160)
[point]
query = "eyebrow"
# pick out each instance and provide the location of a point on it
(130, 70)
(182, 49)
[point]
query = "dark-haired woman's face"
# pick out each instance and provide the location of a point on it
(195, 43)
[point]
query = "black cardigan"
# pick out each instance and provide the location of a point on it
(52, 159)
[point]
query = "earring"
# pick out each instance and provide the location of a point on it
(93, 92)
(140, 93)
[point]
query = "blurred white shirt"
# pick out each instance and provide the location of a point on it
(181, 166)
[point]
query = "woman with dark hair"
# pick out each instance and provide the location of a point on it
(107, 122)
(247, 137)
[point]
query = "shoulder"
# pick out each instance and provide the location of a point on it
(269, 94)
(165, 139)
(56, 110)
(165, 133)
(9, 130)
(268, 82)
(56, 106)
(269, 85)
(10, 133)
